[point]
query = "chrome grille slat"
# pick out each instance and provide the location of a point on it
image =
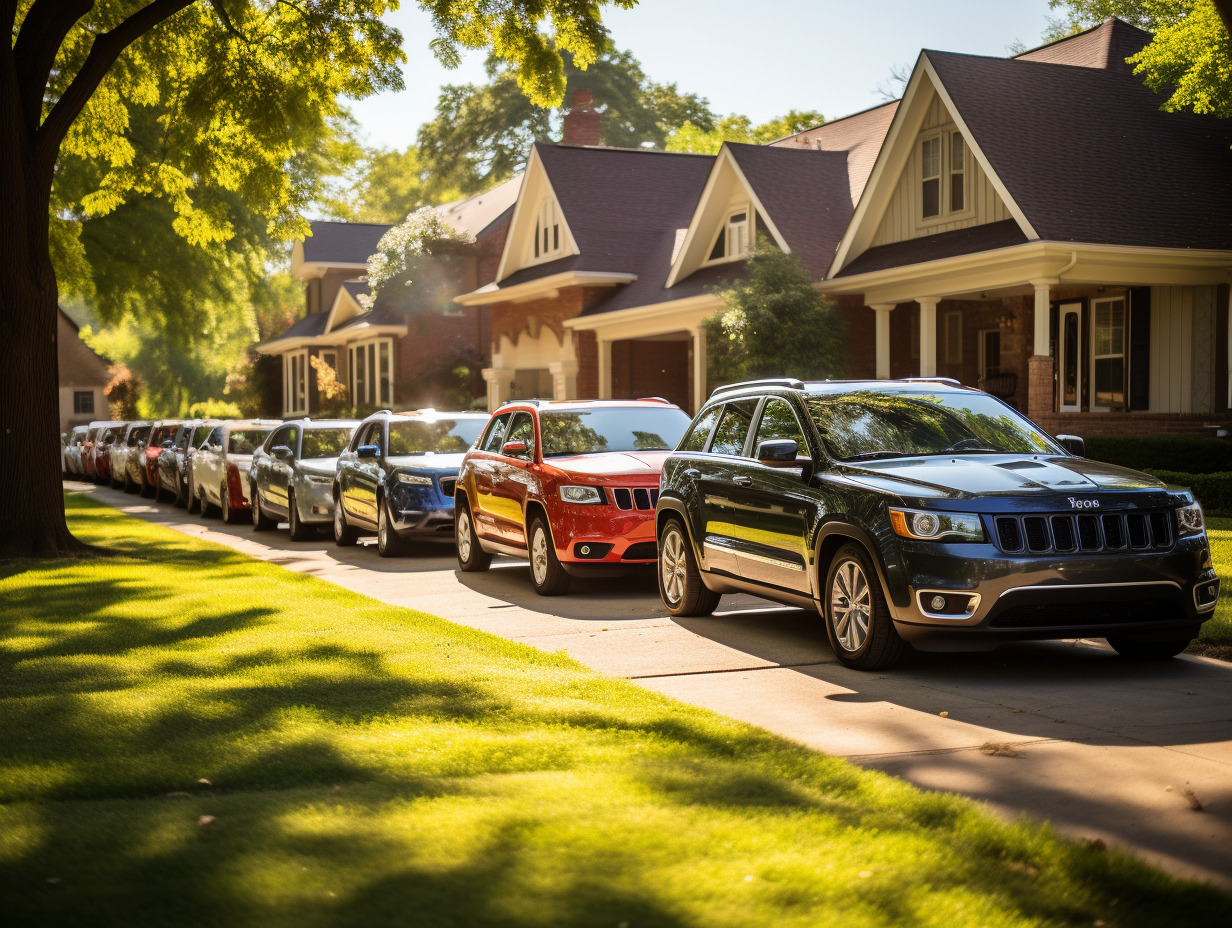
(1067, 532)
(642, 499)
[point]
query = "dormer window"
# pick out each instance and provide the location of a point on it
(943, 174)
(549, 240)
(733, 239)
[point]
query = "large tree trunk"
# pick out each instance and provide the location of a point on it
(31, 499)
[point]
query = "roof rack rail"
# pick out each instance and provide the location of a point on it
(385, 412)
(946, 380)
(654, 399)
(529, 401)
(769, 382)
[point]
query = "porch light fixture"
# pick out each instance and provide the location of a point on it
(1007, 320)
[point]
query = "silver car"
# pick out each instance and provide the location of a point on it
(122, 453)
(72, 451)
(292, 474)
(219, 468)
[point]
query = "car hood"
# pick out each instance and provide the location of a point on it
(444, 464)
(322, 467)
(612, 463)
(964, 476)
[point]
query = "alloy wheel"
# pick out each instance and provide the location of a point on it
(850, 605)
(463, 532)
(539, 555)
(672, 566)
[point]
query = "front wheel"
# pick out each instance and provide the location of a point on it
(344, 535)
(1136, 648)
(857, 618)
(388, 544)
(680, 580)
(471, 557)
(546, 573)
(299, 531)
(260, 521)
(192, 501)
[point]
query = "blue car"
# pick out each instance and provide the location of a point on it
(397, 476)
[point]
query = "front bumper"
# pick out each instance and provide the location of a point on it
(992, 597)
(604, 535)
(420, 511)
(315, 499)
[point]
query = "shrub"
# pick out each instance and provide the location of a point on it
(1178, 453)
(214, 409)
(1213, 491)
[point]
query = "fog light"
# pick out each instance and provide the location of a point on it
(586, 549)
(938, 603)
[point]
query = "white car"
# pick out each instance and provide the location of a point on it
(218, 473)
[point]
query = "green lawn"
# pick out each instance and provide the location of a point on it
(369, 766)
(1218, 629)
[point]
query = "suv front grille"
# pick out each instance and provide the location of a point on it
(1060, 533)
(643, 498)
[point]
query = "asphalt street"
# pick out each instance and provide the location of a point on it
(1129, 753)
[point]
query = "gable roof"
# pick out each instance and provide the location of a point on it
(475, 214)
(1087, 153)
(1111, 41)
(342, 243)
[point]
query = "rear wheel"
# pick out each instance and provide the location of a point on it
(207, 509)
(299, 531)
(546, 572)
(388, 544)
(1132, 646)
(471, 557)
(680, 580)
(344, 535)
(228, 514)
(148, 490)
(260, 521)
(857, 619)
(192, 497)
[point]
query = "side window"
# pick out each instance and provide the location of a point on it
(496, 433)
(733, 427)
(523, 429)
(279, 437)
(778, 421)
(696, 439)
(213, 437)
(378, 437)
(291, 440)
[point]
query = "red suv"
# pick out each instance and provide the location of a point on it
(570, 484)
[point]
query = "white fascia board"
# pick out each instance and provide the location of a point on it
(340, 299)
(282, 345)
(358, 333)
(492, 293)
(534, 167)
(668, 314)
(774, 230)
(1023, 222)
(515, 240)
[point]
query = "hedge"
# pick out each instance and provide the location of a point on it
(1177, 453)
(1213, 491)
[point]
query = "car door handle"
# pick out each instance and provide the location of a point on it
(743, 480)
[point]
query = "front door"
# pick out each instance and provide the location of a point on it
(720, 491)
(512, 481)
(1069, 345)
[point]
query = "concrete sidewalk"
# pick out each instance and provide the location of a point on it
(1135, 754)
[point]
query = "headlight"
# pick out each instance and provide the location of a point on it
(418, 480)
(1189, 519)
(934, 526)
(575, 494)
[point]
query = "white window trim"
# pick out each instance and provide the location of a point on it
(372, 377)
(946, 135)
(1123, 354)
(982, 346)
(750, 226)
(548, 214)
(290, 394)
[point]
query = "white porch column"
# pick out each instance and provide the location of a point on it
(498, 380)
(564, 379)
(605, 369)
(928, 335)
(1043, 303)
(883, 337)
(699, 368)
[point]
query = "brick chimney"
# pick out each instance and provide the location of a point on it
(581, 122)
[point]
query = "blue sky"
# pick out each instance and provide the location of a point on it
(757, 57)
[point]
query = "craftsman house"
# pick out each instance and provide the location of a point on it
(402, 349)
(83, 378)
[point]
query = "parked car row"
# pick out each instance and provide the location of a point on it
(907, 513)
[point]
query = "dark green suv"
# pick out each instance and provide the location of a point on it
(924, 512)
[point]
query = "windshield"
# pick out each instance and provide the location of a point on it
(141, 433)
(869, 424)
(324, 443)
(595, 430)
(436, 436)
(246, 441)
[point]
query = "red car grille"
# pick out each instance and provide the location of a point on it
(643, 498)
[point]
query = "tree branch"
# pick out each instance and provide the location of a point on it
(103, 54)
(226, 21)
(34, 54)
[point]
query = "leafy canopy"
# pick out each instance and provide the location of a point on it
(699, 140)
(1189, 57)
(776, 324)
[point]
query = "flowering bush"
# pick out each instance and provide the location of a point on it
(401, 247)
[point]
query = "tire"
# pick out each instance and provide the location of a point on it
(471, 557)
(344, 535)
(260, 521)
(546, 573)
(207, 509)
(1135, 648)
(680, 580)
(181, 493)
(388, 544)
(229, 515)
(129, 486)
(192, 497)
(857, 619)
(145, 489)
(299, 531)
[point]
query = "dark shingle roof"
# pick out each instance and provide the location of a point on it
(1088, 155)
(859, 135)
(342, 242)
(311, 325)
(934, 247)
(381, 314)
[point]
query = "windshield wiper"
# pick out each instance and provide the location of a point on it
(875, 455)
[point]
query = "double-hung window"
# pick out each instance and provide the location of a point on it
(372, 372)
(295, 386)
(1108, 354)
(943, 175)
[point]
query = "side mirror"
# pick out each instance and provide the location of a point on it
(368, 451)
(1073, 444)
(168, 443)
(282, 452)
(514, 449)
(778, 450)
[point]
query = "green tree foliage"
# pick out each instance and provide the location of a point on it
(734, 128)
(1189, 57)
(390, 186)
(481, 135)
(776, 324)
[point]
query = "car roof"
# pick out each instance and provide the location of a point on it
(324, 423)
(230, 424)
(832, 387)
(578, 405)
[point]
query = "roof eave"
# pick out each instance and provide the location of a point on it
(543, 287)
